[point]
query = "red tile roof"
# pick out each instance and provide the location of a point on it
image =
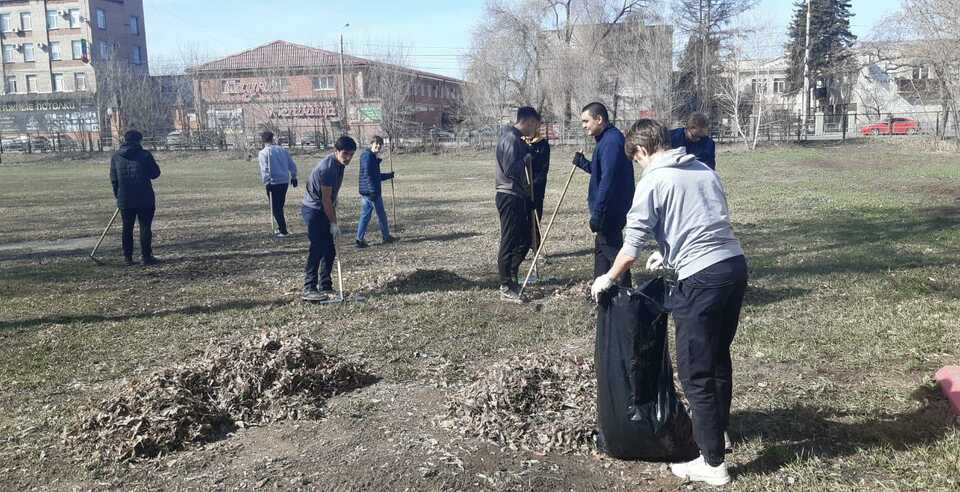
(286, 55)
(277, 54)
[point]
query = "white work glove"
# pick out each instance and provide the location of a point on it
(334, 230)
(655, 261)
(602, 284)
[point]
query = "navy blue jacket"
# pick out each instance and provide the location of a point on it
(370, 175)
(705, 149)
(611, 181)
(131, 171)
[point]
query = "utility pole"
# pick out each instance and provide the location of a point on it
(806, 72)
(343, 86)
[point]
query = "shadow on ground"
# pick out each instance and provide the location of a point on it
(801, 433)
(97, 318)
(420, 281)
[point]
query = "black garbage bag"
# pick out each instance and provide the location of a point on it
(638, 413)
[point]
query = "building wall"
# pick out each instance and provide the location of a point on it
(291, 101)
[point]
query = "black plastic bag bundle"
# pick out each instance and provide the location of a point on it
(638, 413)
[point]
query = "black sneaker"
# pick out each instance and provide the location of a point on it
(510, 293)
(150, 260)
(389, 239)
(361, 244)
(312, 294)
(128, 261)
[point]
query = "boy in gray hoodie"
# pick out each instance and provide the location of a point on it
(681, 203)
(277, 171)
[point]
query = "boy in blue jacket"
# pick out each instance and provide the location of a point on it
(696, 139)
(371, 192)
(611, 187)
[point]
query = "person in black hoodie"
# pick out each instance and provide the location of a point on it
(610, 195)
(131, 171)
(514, 202)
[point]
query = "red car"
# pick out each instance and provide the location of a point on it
(893, 126)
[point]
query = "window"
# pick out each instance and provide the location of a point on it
(55, 51)
(32, 84)
(137, 56)
(74, 18)
(10, 84)
(57, 82)
(77, 47)
(325, 83)
(53, 20)
(134, 25)
(80, 81)
(920, 73)
(5, 22)
(26, 21)
(104, 50)
(28, 54)
(101, 19)
(8, 53)
(779, 86)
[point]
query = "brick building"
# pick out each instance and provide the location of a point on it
(296, 90)
(51, 50)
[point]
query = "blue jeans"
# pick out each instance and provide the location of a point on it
(368, 204)
(323, 250)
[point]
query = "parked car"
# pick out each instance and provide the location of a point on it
(176, 139)
(441, 135)
(893, 126)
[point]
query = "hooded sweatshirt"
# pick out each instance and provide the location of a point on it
(131, 171)
(681, 203)
(276, 165)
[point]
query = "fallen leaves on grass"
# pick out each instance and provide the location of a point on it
(541, 402)
(274, 376)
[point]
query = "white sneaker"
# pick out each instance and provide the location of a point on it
(727, 442)
(699, 471)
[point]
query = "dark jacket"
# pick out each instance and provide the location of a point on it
(370, 175)
(611, 182)
(540, 150)
(704, 149)
(512, 155)
(131, 171)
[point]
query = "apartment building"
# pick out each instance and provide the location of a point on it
(50, 52)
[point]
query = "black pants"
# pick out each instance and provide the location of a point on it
(145, 217)
(706, 310)
(278, 198)
(323, 250)
(515, 236)
(606, 245)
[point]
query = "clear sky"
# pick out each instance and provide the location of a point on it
(436, 32)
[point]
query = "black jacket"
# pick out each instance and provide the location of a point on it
(131, 170)
(512, 156)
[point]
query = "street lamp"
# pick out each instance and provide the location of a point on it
(343, 84)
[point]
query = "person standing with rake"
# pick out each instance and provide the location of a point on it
(132, 170)
(277, 171)
(514, 203)
(320, 216)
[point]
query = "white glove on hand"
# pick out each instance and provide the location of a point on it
(602, 284)
(334, 230)
(655, 261)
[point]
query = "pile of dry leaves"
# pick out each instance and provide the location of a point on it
(541, 402)
(270, 377)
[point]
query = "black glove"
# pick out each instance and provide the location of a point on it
(576, 158)
(293, 182)
(596, 225)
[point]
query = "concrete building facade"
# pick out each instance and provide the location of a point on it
(50, 53)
